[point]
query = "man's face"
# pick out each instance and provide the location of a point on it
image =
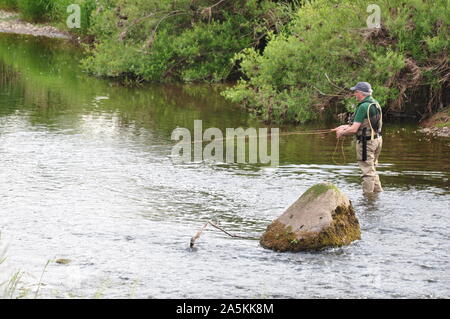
(359, 96)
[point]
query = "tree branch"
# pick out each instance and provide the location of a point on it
(150, 40)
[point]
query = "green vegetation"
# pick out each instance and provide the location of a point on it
(292, 60)
(327, 47)
(34, 10)
(31, 10)
(8, 4)
(447, 124)
(184, 40)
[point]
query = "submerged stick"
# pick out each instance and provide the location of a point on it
(197, 235)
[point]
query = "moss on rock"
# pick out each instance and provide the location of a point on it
(319, 189)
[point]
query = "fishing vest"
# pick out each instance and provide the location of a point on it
(371, 126)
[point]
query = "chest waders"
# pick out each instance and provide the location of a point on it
(375, 123)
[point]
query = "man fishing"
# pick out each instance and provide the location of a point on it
(367, 123)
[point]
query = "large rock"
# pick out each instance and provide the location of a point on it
(322, 217)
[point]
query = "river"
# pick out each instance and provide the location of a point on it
(86, 174)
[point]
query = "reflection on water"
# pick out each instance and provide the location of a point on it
(86, 174)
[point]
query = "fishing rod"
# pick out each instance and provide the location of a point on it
(339, 141)
(311, 132)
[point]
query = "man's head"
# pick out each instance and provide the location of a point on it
(361, 90)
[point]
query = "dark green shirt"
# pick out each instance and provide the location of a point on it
(361, 111)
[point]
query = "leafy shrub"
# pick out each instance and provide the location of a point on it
(87, 7)
(327, 47)
(35, 10)
(8, 4)
(185, 41)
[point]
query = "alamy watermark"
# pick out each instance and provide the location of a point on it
(374, 20)
(74, 19)
(222, 147)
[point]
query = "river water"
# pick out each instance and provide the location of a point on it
(86, 174)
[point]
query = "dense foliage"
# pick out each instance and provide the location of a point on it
(8, 4)
(328, 47)
(292, 59)
(33, 10)
(178, 40)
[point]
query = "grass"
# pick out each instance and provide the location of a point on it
(12, 288)
(8, 4)
(40, 280)
(31, 10)
(447, 124)
(34, 10)
(8, 287)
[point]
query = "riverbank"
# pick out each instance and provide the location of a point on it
(11, 23)
(280, 68)
(438, 124)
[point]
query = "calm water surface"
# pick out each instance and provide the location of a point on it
(86, 174)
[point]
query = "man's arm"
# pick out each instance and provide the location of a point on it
(348, 130)
(339, 127)
(360, 115)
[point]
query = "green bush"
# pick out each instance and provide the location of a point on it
(35, 10)
(186, 41)
(8, 4)
(87, 7)
(294, 58)
(328, 46)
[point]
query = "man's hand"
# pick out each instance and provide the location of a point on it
(347, 129)
(340, 130)
(340, 133)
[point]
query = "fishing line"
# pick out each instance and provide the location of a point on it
(339, 141)
(312, 132)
